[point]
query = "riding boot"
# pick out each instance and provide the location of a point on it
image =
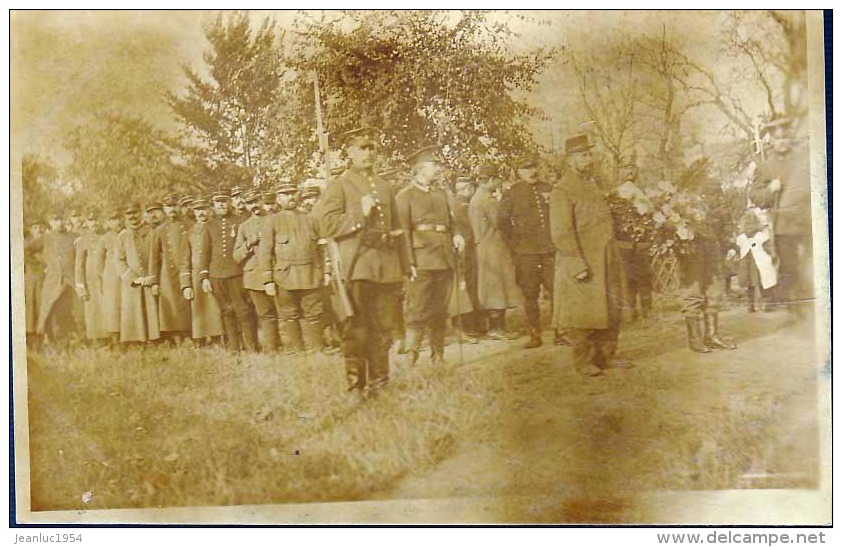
(356, 377)
(313, 336)
(437, 332)
(712, 339)
(694, 334)
(291, 336)
(414, 336)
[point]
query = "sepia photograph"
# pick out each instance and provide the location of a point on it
(420, 267)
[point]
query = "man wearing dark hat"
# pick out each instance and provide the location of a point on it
(269, 203)
(291, 271)
(782, 185)
(359, 212)
(138, 306)
(185, 203)
(226, 276)
(167, 243)
(88, 278)
(245, 252)
(426, 214)
(587, 268)
(524, 223)
(238, 204)
(55, 314)
(111, 282)
(194, 276)
(497, 288)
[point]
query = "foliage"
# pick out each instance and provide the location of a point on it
(120, 158)
(38, 177)
(445, 78)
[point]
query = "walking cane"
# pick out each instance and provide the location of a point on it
(458, 308)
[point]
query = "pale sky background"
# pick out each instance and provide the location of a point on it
(68, 66)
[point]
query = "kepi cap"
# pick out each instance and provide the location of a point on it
(365, 134)
(427, 153)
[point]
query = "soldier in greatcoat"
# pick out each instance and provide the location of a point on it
(33, 280)
(359, 212)
(497, 288)
(432, 236)
(111, 282)
(464, 307)
(245, 252)
(166, 246)
(587, 272)
(226, 275)
(55, 314)
(524, 223)
(89, 261)
(292, 271)
(138, 306)
(205, 316)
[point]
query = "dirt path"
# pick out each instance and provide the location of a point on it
(678, 420)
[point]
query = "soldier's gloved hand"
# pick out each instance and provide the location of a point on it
(187, 293)
(206, 286)
(583, 275)
(774, 185)
(367, 203)
(138, 281)
(156, 289)
(459, 243)
(270, 289)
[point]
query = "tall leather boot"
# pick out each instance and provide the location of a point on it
(694, 334)
(437, 331)
(712, 339)
(269, 335)
(356, 377)
(378, 370)
(232, 332)
(313, 335)
(291, 336)
(414, 336)
(535, 340)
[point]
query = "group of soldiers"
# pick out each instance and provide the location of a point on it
(357, 262)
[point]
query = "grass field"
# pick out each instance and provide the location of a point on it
(182, 427)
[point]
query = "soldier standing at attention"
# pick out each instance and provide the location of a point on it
(89, 279)
(359, 212)
(166, 243)
(111, 283)
(291, 271)
(245, 253)
(33, 280)
(205, 317)
(138, 308)
(524, 223)
(468, 317)
(226, 276)
(426, 215)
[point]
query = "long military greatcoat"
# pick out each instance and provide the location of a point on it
(166, 246)
(33, 281)
(59, 272)
(583, 233)
(204, 311)
(497, 288)
(89, 262)
(288, 255)
(111, 283)
(138, 307)
(342, 220)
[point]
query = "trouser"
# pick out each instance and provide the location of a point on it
(531, 272)
(366, 335)
(237, 314)
(795, 271)
(267, 319)
(300, 312)
(593, 347)
(702, 285)
(426, 298)
(638, 280)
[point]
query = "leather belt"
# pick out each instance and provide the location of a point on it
(439, 228)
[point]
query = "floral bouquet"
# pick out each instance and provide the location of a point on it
(660, 215)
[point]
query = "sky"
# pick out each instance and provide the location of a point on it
(69, 66)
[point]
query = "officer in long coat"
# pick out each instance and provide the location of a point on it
(525, 225)
(497, 288)
(426, 214)
(55, 314)
(359, 212)
(205, 316)
(166, 246)
(111, 282)
(89, 262)
(245, 252)
(226, 275)
(587, 273)
(292, 271)
(138, 306)
(464, 306)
